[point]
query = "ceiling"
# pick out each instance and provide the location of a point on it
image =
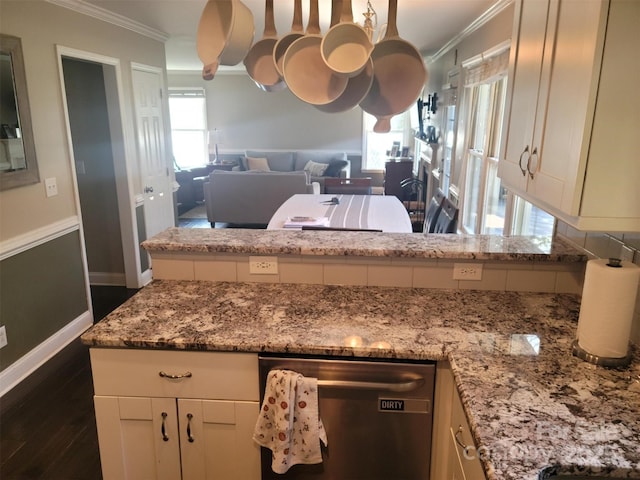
(428, 24)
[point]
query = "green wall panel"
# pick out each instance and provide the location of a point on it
(41, 291)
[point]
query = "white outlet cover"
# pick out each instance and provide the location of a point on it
(51, 186)
(263, 265)
(467, 271)
(3, 337)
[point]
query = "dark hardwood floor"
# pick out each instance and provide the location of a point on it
(47, 422)
(197, 218)
(193, 223)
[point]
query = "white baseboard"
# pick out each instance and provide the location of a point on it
(107, 278)
(27, 364)
(146, 277)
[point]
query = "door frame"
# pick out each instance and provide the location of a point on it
(123, 146)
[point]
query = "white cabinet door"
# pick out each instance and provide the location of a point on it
(534, 23)
(569, 141)
(569, 99)
(216, 439)
(449, 460)
(138, 438)
(463, 450)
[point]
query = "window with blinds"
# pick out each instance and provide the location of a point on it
(188, 113)
(487, 207)
(484, 198)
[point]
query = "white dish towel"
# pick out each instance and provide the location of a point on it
(289, 423)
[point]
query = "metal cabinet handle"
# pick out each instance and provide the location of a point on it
(148, 189)
(393, 387)
(163, 429)
(458, 441)
(180, 375)
(189, 436)
(529, 162)
(526, 150)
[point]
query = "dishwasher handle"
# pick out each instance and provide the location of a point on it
(405, 386)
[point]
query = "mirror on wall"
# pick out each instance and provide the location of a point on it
(18, 163)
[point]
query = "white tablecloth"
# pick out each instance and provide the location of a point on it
(365, 212)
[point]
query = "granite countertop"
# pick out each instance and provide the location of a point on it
(530, 403)
(367, 244)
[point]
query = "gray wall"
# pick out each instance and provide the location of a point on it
(41, 289)
(249, 118)
(87, 103)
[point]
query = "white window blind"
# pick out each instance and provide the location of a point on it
(188, 113)
(487, 67)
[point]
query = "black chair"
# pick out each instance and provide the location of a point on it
(447, 219)
(414, 198)
(433, 212)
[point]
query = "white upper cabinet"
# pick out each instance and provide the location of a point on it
(572, 121)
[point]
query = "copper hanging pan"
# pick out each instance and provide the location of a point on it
(306, 74)
(399, 75)
(259, 61)
(225, 34)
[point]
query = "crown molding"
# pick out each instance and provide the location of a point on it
(99, 13)
(479, 22)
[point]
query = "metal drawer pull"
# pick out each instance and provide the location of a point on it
(189, 437)
(458, 441)
(526, 150)
(393, 387)
(529, 162)
(163, 428)
(468, 451)
(180, 375)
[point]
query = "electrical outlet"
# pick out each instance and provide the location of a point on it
(263, 265)
(467, 271)
(51, 185)
(3, 337)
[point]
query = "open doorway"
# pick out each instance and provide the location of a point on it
(95, 172)
(110, 228)
(90, 123)
(93, 151)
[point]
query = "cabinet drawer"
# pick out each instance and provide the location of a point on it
(213, 375)
(461, 434)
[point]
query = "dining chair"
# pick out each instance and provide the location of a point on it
(352, 186)
(447, 221)
(414, 199)
(433, 211)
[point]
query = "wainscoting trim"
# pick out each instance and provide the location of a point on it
(39, 236)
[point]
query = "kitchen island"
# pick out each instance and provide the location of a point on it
(528, 401)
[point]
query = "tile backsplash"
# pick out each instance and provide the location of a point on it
(625, 246)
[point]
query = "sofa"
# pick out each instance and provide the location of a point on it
(191, 183)
(252, 197)
(318, 164)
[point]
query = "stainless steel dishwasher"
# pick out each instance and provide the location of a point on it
(378, 417)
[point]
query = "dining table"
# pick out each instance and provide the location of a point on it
(383, 213)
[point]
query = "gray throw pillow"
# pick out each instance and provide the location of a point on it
(315, 169)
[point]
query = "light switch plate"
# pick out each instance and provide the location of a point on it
(51, 185)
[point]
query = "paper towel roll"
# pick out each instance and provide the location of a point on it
(607, 307)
